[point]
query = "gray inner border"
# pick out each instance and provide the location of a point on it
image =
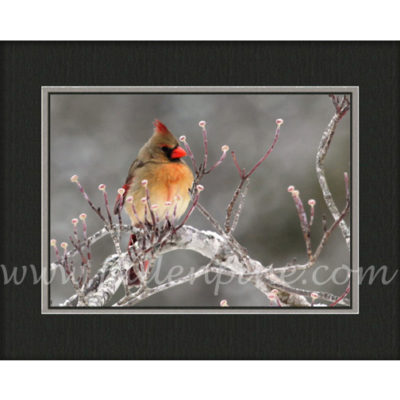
(354, 90)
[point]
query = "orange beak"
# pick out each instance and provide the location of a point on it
(178, 153)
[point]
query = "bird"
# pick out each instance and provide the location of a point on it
(160, 169)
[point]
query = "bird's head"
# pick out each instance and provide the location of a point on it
(162, 145)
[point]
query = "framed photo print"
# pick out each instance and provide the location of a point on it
(199, 200)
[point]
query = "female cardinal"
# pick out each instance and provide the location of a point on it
(168, 177)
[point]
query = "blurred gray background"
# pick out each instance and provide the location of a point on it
(98, 136)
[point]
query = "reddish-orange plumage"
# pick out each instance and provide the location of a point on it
(168, 177)
(160, 127)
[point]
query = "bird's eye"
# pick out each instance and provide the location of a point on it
(165, 148)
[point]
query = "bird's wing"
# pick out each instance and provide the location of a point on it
(120, 200)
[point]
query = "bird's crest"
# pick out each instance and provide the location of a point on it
(159, 127)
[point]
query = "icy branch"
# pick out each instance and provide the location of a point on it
(224, 261)
(341, 106)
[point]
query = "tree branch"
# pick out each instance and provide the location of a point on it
(224, 261)
(341, 109)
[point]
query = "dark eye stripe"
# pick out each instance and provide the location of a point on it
(168, 150)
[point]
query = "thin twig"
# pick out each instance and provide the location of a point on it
(84, 194)
(231, 204)
(339, 299)
(244, 177)
(239, 209)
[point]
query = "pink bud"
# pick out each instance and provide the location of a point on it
(74, 221)
(53, 242)
(102, 187)
(154, 206)
(225, 148)
(129, 199)
(74, 178)
(279, 121)
(311, 202)
(121, 191)
(200, 188)
(167, 203)
(182, 138)
(223, 303)
(143, 200)
(82, 217)
(64, 245)
(202, 124)
(271, 296)
(314, 295)
(144, 182)
(290, 188)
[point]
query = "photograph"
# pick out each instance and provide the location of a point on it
(200, 199)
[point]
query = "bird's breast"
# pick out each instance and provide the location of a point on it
(166, 183)
(171, 180)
